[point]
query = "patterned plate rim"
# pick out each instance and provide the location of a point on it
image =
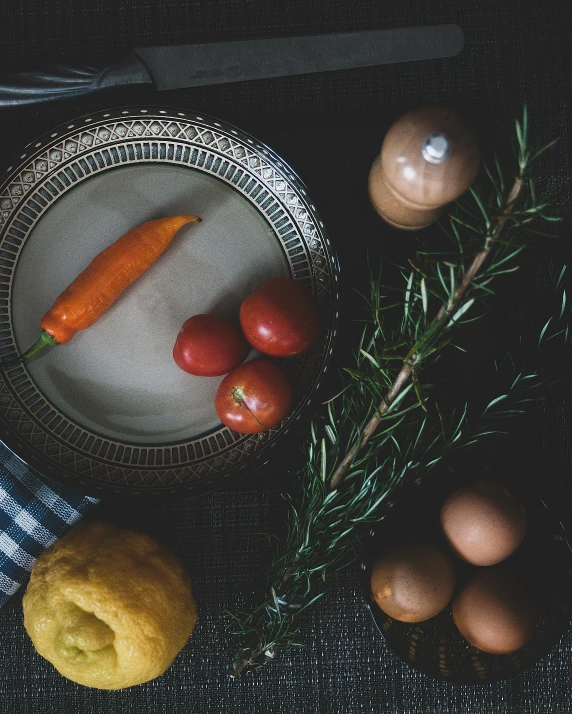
(48, 440)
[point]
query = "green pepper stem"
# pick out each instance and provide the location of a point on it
(45, 340)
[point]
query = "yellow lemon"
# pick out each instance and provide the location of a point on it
(109, 608)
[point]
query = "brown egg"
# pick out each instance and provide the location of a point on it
(413, 581)
(484, 523)
(494, 612)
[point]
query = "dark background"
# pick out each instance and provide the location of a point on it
(329, 128)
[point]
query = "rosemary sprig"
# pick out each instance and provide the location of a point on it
(386, 426)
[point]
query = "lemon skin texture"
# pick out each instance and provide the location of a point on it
(108, 607)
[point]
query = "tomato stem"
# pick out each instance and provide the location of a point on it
(239, 397)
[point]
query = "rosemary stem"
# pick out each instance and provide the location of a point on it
(440, 321)
(240, 666)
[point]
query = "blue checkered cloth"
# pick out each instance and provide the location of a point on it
(33, 515)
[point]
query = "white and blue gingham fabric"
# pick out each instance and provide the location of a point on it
(33, 515)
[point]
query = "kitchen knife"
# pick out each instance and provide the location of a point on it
(178, 66)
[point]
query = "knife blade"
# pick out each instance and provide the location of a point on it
(181, 66)
(194, 65)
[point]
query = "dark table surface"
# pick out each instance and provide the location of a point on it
(329, 128)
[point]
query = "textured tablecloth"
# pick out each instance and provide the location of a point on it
(329, 128)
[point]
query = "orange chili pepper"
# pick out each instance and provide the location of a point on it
(94, 291)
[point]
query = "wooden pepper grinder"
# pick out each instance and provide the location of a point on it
(429, 157)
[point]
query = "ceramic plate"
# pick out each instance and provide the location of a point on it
(110, 410)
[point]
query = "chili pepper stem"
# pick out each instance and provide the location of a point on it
(44, 340)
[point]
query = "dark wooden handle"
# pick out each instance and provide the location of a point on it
(65, 81)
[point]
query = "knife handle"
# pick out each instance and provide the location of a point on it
(69, 81)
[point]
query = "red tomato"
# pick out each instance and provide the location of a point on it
(281, 318)
(253, 397)
(208, 346)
